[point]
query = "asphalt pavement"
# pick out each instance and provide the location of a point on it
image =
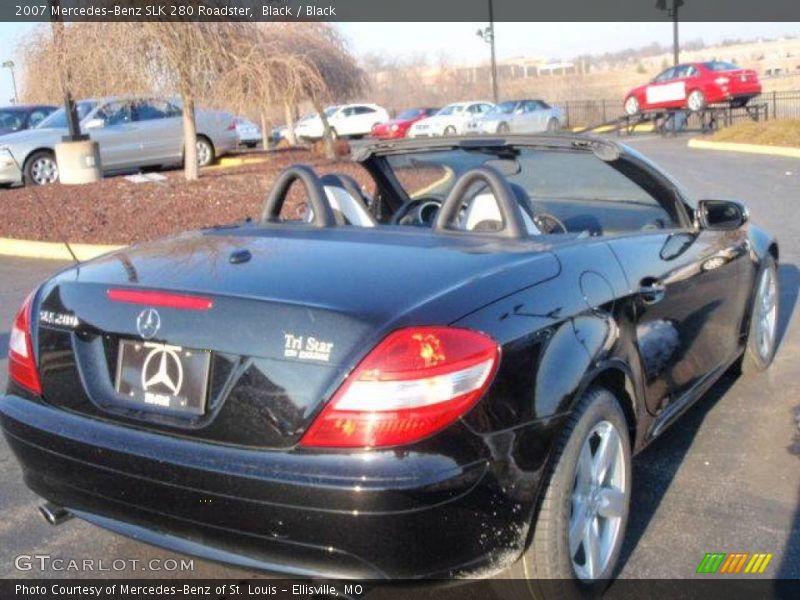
(725, 478)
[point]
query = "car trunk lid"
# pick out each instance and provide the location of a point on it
(290, 313)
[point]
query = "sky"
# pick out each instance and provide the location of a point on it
(458, 41)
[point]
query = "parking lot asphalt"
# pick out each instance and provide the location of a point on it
(725, 478)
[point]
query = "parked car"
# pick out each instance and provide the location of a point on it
(445, 379)
(277, 134)
(348, 120)
(451, 120)
(19, 117)
(132, 133)
(694, 86)
(247, 132)
(399, 126)
(520, 116)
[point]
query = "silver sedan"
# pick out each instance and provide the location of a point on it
(131, 132)
(520, 116)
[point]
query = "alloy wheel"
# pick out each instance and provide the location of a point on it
(767, 313)
(598, 501)
(203, 153)
(696, 101)
(44, 170)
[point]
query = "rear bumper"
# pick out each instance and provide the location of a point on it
(226, 143)
(376, 515)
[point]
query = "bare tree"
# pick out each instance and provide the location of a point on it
(188, 57)
(99, 58)
(329, 71)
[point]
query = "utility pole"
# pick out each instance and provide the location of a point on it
(9, 64)
(673, 13)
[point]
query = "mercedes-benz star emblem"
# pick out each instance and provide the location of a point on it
(162, 366)
(148, 323)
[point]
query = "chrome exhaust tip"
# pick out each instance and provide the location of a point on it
(54, 514)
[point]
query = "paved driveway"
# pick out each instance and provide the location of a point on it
(725, 478)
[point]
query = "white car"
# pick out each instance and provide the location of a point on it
(453, 119)
(347, 120)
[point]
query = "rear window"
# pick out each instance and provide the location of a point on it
(583, 191)
(721, 65)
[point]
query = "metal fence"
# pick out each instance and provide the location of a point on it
(590, 113)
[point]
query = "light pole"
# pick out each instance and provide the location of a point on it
(9, 64)
(672, 12)
(487, 35)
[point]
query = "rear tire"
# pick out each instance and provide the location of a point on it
(552, 125)
(762, 337)
(205, 151)
(503, 128)
(632, 105)
(696, 100)
(588, 493)
(40, 168)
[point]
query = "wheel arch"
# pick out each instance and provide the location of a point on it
(34, 151)
(617, 378)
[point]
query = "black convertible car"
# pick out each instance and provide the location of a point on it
(444, 377)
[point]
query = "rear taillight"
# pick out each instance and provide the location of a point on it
(232, 126)
(21, 364)
(414, 383)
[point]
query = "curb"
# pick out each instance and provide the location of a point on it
(51, 250)
(233, 161)
(639, 128)
(784, 151)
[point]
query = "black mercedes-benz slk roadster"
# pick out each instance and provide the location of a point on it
(443, 375)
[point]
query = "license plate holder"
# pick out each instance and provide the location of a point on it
(162, 378)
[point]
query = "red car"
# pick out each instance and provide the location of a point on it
(695, 86)
(399, 126)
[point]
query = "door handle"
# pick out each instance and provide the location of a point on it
(651, 290)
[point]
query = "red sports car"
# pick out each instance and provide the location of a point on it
(398, 127)
(695, 86)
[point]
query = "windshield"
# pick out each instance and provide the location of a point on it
(583, 191)
(504, 108)
(409, 114)
(449, 110)
(11, 119)
(59, 118)
(331, 110)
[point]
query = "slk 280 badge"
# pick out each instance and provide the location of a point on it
(306, 348)
(48, 317)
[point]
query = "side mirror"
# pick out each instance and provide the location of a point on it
(721, 214)
(96, 123)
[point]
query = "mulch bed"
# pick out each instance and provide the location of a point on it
(116, 211)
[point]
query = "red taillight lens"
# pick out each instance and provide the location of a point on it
(21, 364)
(232, 126)
(413, 384)
(168, 300)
